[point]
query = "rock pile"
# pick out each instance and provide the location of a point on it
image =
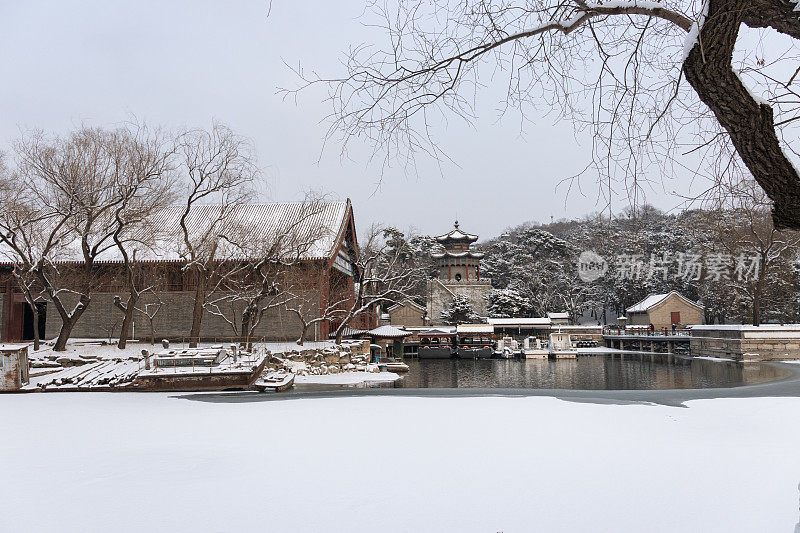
(320, 361)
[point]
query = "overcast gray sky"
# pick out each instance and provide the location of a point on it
(185, 63)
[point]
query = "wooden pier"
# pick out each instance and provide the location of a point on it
(648, 341)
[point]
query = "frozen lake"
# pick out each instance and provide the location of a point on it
(97, 462)
(595, 372)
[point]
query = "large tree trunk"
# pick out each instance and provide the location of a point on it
(748, 121)
(35, 311)
(197, 312)
(68, 320)
(67, 324)
(127, 319)
(247, 319)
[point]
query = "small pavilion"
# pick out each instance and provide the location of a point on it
(458, 262)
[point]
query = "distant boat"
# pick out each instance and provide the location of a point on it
(533, 348)
(437, 343)
(275, 381)
(561, 346)
(474, 341)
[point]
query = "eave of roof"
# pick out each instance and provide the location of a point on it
(466, 253)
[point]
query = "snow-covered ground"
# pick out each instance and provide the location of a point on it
(94, 353)
(159, 462)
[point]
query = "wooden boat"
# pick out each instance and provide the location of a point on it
(437, 343)
(275, 381)
(474, 352)
(536, 353)
(561, 346)
(196, 369)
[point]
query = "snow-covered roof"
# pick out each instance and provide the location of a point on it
(442, 331)
(467, 253)
(474, 328)
(317, 225)
(457, 235)
(655, 299)
(350, 332)
(389, 332)
(520, 322)
(4, 347)
(558, 316)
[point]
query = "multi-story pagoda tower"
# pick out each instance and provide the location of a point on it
(458, 272)
(458, 262)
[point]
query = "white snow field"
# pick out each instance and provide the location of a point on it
(157, 462)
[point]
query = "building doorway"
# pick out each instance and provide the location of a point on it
(675, 316)
(27, 320)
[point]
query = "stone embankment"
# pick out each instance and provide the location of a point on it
(350, 356)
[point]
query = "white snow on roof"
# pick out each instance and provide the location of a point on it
(535, 321)
(441, 330)
(388, 332)
(655, 299)
(474, 328)
(457, 235)
(647, 303)
(317, 225)
(468, 253)
(557, 316)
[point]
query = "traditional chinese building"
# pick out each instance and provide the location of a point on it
(664, 310)
(458, 271)
(325, 273)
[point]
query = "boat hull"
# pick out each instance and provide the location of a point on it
(276, 386)
(475, 353)
(438, 352)
(217, 381)
(536, 354)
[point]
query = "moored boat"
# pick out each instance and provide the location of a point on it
(196, 369)
(437, 343)
(561, 346)
(474, 341)
(275, 381)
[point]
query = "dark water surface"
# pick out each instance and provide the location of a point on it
(593, 372)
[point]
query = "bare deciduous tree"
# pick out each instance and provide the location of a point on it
(219, 168)
(17, 214)
(616, 67)
(68, 191)
(144, 164)
(746, 234)
(262, 279)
